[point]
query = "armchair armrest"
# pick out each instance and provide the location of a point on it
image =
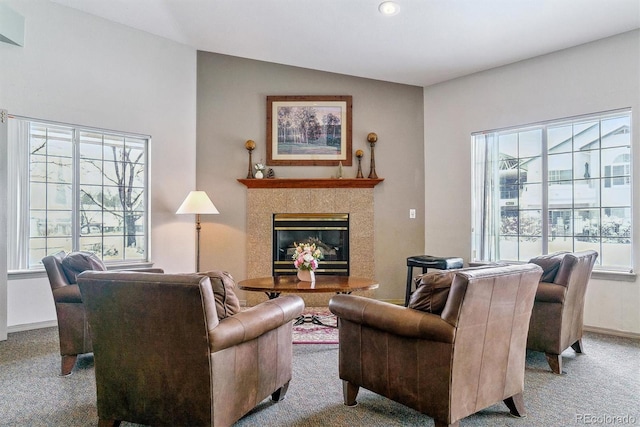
(67, 294)
(550, 292)
(71, 293)
(391, 318)
(255, 321)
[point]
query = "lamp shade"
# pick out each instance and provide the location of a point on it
(197, 202)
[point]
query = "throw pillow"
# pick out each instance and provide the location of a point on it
(550, 265)
(75, 263)
(223, 285)
(432, 291)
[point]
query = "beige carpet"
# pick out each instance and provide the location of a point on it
(600, 387)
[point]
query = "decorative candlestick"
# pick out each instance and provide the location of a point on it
(372, 138)
(359, 154)
(250, 145)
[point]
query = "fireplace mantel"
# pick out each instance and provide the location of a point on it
(311, 182)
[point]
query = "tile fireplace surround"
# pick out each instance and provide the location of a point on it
(262, 203)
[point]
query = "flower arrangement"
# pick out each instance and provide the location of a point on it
(306, 256)
(259, 170)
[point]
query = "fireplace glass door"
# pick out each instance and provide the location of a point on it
(329, 232)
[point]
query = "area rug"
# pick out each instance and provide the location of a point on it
(311, 332)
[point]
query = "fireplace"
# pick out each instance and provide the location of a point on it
(263, 203)
(328, 231)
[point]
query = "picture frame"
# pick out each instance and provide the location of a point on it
(309, 130)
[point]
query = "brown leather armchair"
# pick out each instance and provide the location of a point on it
(447, 366)
(162, 356)
(557, 317)
(72, 322)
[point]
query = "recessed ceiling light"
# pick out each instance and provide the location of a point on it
(389, 8)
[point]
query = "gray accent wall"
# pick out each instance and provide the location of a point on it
(231, 108)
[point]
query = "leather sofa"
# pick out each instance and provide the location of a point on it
(447, 365)
(557, 317)
(163, 356)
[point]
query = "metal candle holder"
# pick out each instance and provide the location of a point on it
(359, 154)
(372, 138)
(250, 145)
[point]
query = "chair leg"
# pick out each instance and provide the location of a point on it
(439, 423)
(407, 292)
(67, 364)
(278, 395)
(515, 404)
(555, 362)
(350, 392)
(577, 346)
(108, 423)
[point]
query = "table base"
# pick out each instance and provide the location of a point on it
(312, 318)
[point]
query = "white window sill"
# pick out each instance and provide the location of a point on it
(616, 276)
(32, 274)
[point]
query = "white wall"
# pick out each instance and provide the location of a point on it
(80, 69)
(3, 224)
(598, 76)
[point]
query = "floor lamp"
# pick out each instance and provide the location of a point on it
(197, 202)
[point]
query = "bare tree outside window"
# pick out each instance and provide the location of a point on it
(84, 190)
(112, 171)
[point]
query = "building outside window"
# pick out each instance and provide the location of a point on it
(563, 185)
(76, 188)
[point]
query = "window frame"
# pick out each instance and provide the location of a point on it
(485, 164)
(26, 266)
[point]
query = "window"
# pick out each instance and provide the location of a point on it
(75, 188)
(556, 186)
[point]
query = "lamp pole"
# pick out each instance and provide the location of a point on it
(197, 202)
(198, 228)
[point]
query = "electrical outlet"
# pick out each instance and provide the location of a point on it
(412, 213)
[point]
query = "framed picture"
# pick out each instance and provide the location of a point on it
(309, 130)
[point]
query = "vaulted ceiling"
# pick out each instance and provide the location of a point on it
(427, 42)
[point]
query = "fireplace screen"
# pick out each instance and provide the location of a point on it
(329, 232)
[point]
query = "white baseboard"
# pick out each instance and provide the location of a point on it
(606, 331)
(30, 326)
